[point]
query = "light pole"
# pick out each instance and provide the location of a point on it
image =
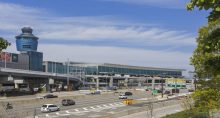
(162, 86)
(5, 60)
(68, 72)
(162, 83)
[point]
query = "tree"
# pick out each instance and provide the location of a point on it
(3, 44)
(206, 57)
(212, 5)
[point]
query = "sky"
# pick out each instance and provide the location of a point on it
(153, 33)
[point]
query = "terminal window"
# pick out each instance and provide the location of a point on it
(26, 46)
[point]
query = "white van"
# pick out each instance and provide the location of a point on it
(49, 108)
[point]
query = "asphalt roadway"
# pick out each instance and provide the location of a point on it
(90, 106)
(94, 102)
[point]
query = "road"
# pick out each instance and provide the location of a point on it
(94, 102)
(90, 106)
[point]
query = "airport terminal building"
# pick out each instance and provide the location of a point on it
(28, 70)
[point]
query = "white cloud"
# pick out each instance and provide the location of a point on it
(102, 28)
(51, 27)
(157, 3)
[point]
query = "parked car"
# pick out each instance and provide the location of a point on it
(48, 96)
(49, 108)
(122, 96)
(167, 92)
(128, 93)
(67, 102)
(95, 92)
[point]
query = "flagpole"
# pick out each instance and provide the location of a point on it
(5, 60)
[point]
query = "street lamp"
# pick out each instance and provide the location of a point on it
(162, 83)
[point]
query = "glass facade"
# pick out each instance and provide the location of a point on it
(26, 41)
(94, 69)
(138, 71)
(35, 61)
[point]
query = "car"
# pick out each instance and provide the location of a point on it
(95, 92)
(48, 96)
(49, 108)
(68, 102)
(167, 92)
(122, 96)
(128, 93)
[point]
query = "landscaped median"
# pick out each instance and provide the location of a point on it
(188, 114)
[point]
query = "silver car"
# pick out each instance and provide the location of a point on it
(122, 96)
(49, 108)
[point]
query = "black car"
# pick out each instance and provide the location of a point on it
(50, 96)
(128, 93)
(67, 102)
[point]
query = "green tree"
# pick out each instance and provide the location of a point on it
(3, 44)
(212, 5)
(206, 57)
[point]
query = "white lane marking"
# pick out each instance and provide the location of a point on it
(111, 104)
(105, 105)
(76, 109)
(67, 112)
(99, 106)
(62, 114)
(92, 107)
(111, 112)
(85, 108)
(47, 115)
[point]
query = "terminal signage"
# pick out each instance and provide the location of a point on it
(8, 57)
(4, 56)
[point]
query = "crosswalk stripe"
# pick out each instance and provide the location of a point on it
(111, 104)
(105, 105)
(76, 109)
(85, 108)
(99, 106)
(92, 107)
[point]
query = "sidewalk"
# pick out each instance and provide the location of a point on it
(157, 113)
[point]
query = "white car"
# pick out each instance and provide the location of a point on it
(122, 96)
(49, 108)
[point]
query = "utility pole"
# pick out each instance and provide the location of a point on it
(68, 72)
(162, 87)
(55, 68)
(5, 59)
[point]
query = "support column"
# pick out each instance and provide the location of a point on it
(51, 82)
(97, 83)
(111, 82)
(126, 82)
(153, 83)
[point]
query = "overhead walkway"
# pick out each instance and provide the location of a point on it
(21, 72)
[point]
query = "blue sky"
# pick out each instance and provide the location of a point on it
(159, 33)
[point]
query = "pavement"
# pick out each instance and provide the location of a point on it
(88, 106)
(90, 102)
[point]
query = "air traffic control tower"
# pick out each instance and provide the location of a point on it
(27, 44)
